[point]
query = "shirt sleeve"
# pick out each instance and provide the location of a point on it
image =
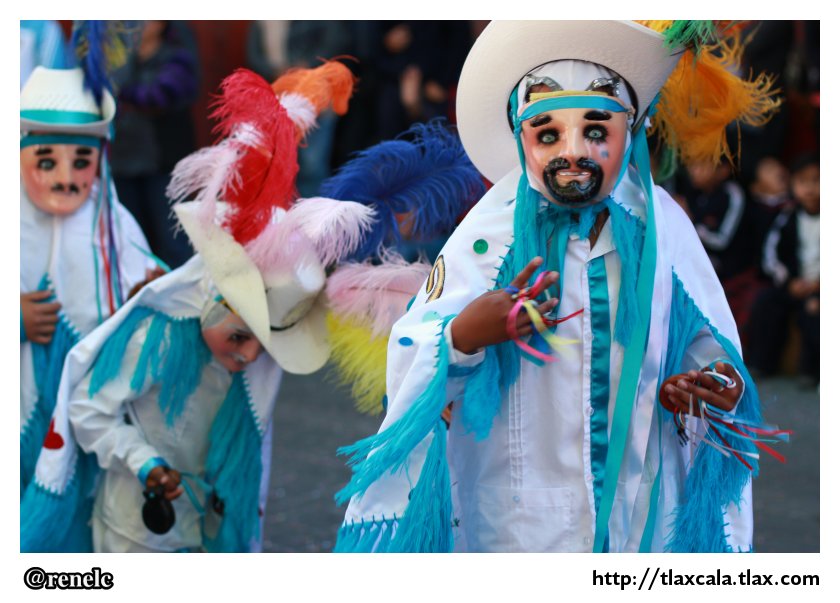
(101, 422)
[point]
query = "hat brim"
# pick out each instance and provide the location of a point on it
(100, 128)
(507, 50)
(302, 348)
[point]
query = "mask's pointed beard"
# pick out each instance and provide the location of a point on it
(574, 192)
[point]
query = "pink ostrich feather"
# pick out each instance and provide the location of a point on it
(204, 174)
(279, 247)
(375, 295)
(336, 228)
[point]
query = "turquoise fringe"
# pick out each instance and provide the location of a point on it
(426, 525)
(389, 450)
(47, 362)
(60, 523)
(234, 468)
(714, 481)
(173, 355)
(629, 235)
(366, 537)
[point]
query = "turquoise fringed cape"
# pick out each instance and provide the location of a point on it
(403, 489)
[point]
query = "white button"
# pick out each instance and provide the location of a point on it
(516, 499)
(587, 372)
(591, 411)
(587, 541)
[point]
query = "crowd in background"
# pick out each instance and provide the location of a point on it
(758, 219)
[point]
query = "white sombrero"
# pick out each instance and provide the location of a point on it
(508, 50)
(284, 309)
(55, 100)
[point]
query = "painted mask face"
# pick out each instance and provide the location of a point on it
(58, 177)
(231, 342)
(574, 155)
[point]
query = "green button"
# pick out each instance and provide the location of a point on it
(480, 246)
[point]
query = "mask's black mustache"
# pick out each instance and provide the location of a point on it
(61, 188)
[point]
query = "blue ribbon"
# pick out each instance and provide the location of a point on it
(600, 381)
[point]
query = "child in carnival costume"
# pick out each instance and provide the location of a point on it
(173, 397)
(81, 251)
(570, 301)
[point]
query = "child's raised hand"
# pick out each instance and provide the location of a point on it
(167, 479)
(484, 321)
(678, 389)
(39, 317)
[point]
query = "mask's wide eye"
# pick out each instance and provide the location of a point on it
(46, 164)
(548, 136)
(81, 164)
(596, 133)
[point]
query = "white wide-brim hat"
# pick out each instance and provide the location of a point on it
(55, 100)
(285, 310)
(508, 50)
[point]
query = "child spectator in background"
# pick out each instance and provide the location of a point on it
(768, 195)
(791, 257)
(716, 205)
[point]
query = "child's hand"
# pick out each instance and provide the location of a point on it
(677, 389)
(169, 480)
(484, 321)
(39, 318)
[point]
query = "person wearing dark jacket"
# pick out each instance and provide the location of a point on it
(791, 258)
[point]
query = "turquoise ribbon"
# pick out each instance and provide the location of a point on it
(600, 381)
(635, 351)
(53, 116)
(147, 467)
(602, 103)
(45, 139)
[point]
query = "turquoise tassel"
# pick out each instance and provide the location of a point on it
(426, 525)
(714, 480)
(48, 363)
(234, 468)
(173, 355)
(389, 450)
(60, 523)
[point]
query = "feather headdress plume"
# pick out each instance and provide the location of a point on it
(365, 301)
(307, 92)
(251, 119)
(703, 95)
(424, 176)
(101, 48)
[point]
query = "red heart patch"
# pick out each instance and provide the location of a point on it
(53, 441)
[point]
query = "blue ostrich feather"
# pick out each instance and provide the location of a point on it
(425, 172)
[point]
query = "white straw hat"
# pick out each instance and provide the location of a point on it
(55, 100)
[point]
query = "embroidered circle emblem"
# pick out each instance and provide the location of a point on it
(434, 284)
(406, 341)
(480, 246)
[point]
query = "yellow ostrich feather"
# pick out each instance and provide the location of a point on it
(359, 360)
